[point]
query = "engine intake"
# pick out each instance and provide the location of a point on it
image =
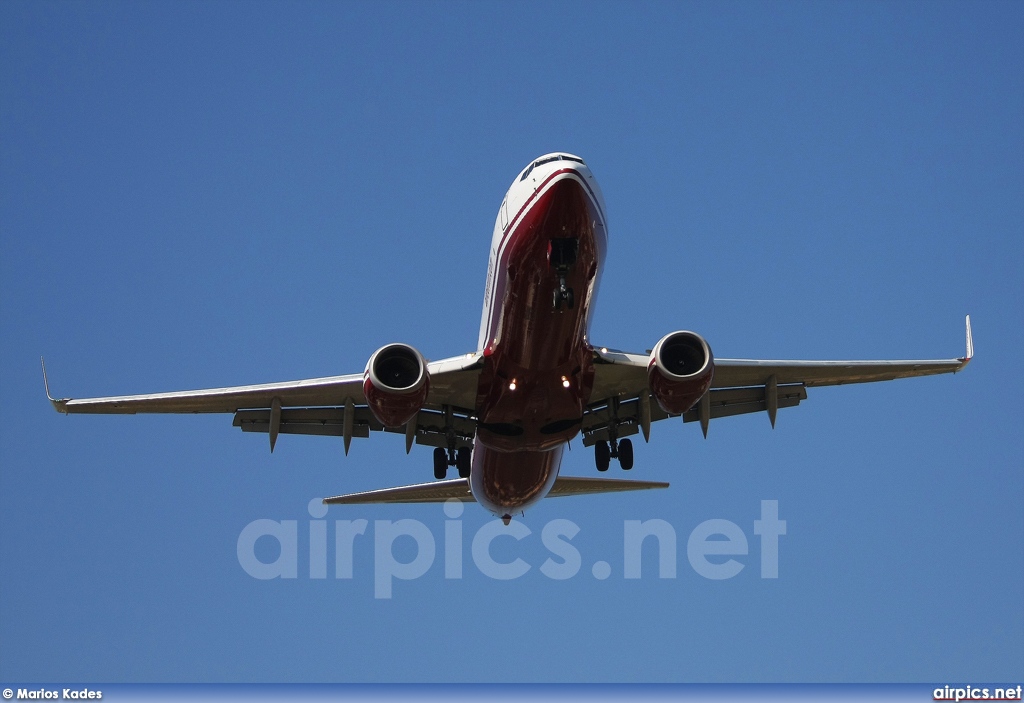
(396, 384)
(680, 371)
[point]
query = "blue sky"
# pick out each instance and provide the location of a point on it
(204, 194)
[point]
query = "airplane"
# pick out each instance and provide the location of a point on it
(501, 415)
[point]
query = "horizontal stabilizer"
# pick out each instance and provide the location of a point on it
(440, 491)
(433, 492)
(581, 485)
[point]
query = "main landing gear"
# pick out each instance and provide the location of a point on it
(622, 450)
(562, 255)
(614, 448)
(460, 458)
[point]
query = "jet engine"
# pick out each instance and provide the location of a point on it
(395, 384)
(680, 371)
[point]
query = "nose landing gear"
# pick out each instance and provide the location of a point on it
(563, 294)
(562, 255)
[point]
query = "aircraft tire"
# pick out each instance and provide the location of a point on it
(440, 463)
(626, 454)
(463, 460)
(602, 456)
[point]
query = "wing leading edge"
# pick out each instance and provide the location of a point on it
(453, 382)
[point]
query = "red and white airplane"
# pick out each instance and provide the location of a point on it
(503, 413)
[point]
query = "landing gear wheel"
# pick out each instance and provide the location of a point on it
(626, 454)
(556, 301)
(569, 299)
(602, 456)
(440, 463)
(463, 460)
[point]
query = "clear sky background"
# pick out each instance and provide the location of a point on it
(198, 194)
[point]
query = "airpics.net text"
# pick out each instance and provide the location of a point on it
(711, 548)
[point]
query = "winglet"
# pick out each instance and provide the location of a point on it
(59, 404)
(970, 345)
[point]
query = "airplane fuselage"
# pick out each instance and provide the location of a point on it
(548, 247)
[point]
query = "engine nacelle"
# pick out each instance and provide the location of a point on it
(395, 384)
(680, 371)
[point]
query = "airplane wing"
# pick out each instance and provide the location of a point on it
(333, 405)
(620, 393)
